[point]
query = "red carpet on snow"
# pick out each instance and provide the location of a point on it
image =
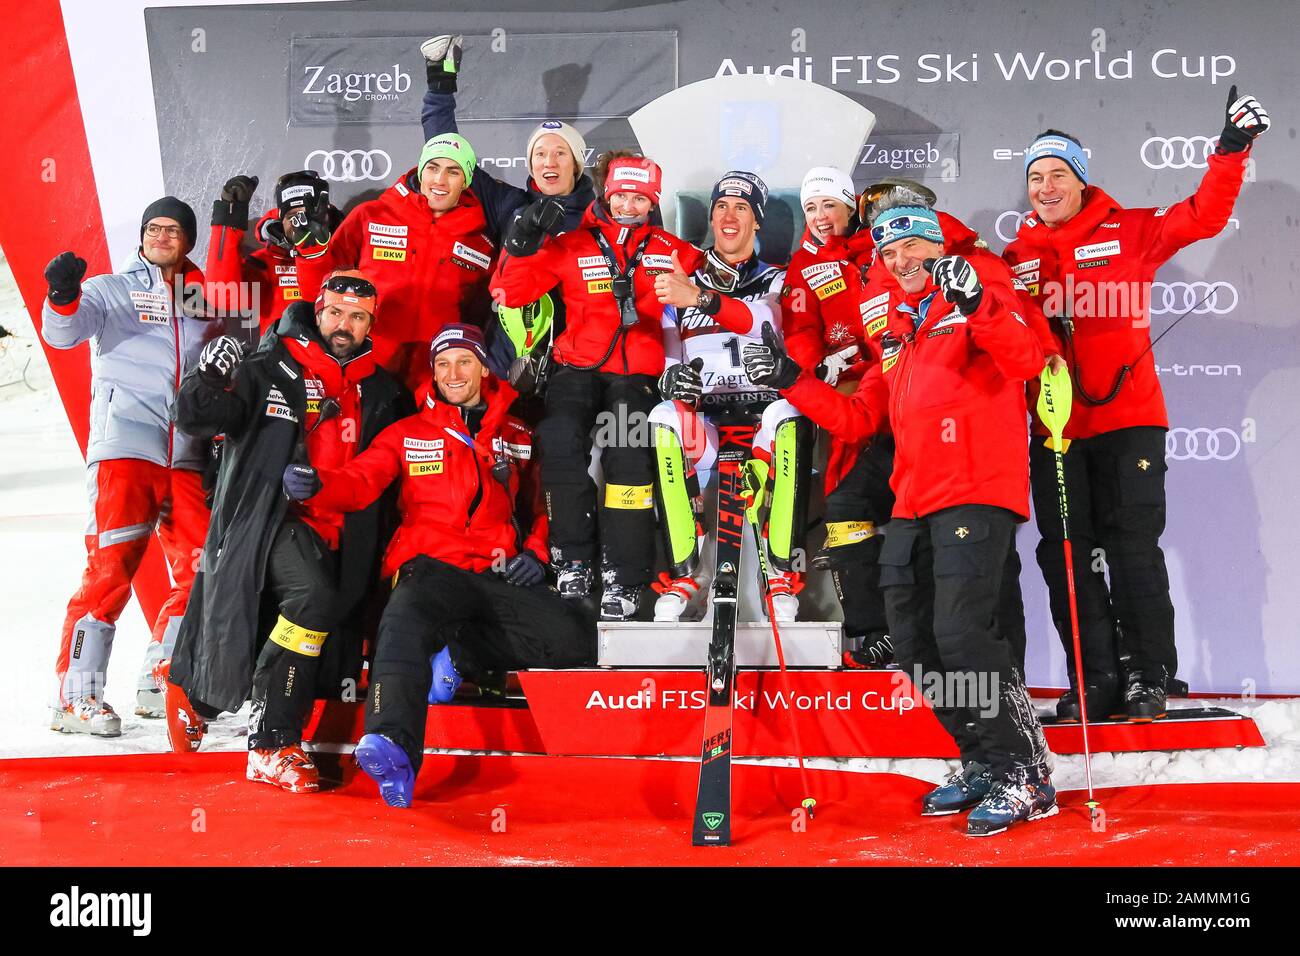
(150, 810)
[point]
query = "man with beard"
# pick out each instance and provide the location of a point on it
(312, 393)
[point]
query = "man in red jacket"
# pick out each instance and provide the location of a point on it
(951, 382)
(1090, 262)
(607, 363)
(423, 244)
(470, 550)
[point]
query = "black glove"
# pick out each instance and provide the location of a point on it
(835, 364)
(767, 365)
(524, 372)
(300, 482)
(958, 282)
(310, 226)
(1245, 120)
(532, 225)
(64, 275)
(682, 382)
(442, 62)
(232, 208)
(219, 360)
(524, 570)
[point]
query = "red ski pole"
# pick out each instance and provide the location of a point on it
(1054, 399)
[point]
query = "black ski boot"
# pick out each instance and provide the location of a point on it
(1028, 795)
(964, 788)
(1103, 703)
(875, 653)
(1144, 700)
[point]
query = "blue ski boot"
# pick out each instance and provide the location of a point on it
(963, 789)
(1028, 796)
(387, 764)
(446, 679)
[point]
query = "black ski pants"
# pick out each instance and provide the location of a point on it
(513, 628)
(302, 577)
(942, 578)
(1115, 489)
(618, 408)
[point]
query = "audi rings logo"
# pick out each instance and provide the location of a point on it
(1177, 152)
(1008, 224)
(1197, 298)
(349, 165)
(1202, 444)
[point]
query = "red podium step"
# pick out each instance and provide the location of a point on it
(620, 713)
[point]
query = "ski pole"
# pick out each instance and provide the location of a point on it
(756, 489)
(1055, 395)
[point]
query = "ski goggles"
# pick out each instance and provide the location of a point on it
(905, 222)
(877, 190)
(359, 286)
(348, 290)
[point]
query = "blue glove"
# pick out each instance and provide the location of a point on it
(524, 570)
(301, 482)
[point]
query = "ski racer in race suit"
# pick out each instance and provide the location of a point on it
(259, 286)
(1090, 262)
(708, 318)
(146, 326)
(423, 245)
(471, 550)
(823, 305)
(555, 154)
(951, 382)
(606, 365)
(303, 578)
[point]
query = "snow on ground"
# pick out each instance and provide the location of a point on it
(43, 516)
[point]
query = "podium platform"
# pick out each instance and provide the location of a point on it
(660, 713)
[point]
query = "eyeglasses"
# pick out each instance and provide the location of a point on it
(156, 229)
(353, 285)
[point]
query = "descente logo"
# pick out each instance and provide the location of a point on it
(357, 86)
(76, 909)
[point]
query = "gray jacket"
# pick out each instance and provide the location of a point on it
(140, 349)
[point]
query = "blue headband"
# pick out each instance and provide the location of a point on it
(1061, 148)
(902, 222)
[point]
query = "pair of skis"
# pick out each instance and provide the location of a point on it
(712, 826)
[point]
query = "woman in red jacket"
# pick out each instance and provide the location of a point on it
(951, 382)
(1090, 262)
(607, 365)
(470, 550)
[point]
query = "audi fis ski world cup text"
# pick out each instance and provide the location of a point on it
(862, 69)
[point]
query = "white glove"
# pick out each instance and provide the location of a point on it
(834, 365)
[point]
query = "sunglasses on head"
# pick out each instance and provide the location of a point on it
(354, 285)
(897, 224)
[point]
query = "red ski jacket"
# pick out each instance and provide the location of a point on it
(574, 262)
(268, 269)
(1098, 268)
(453, 507)
(429, 272)
(821, 299)
(953, 390)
